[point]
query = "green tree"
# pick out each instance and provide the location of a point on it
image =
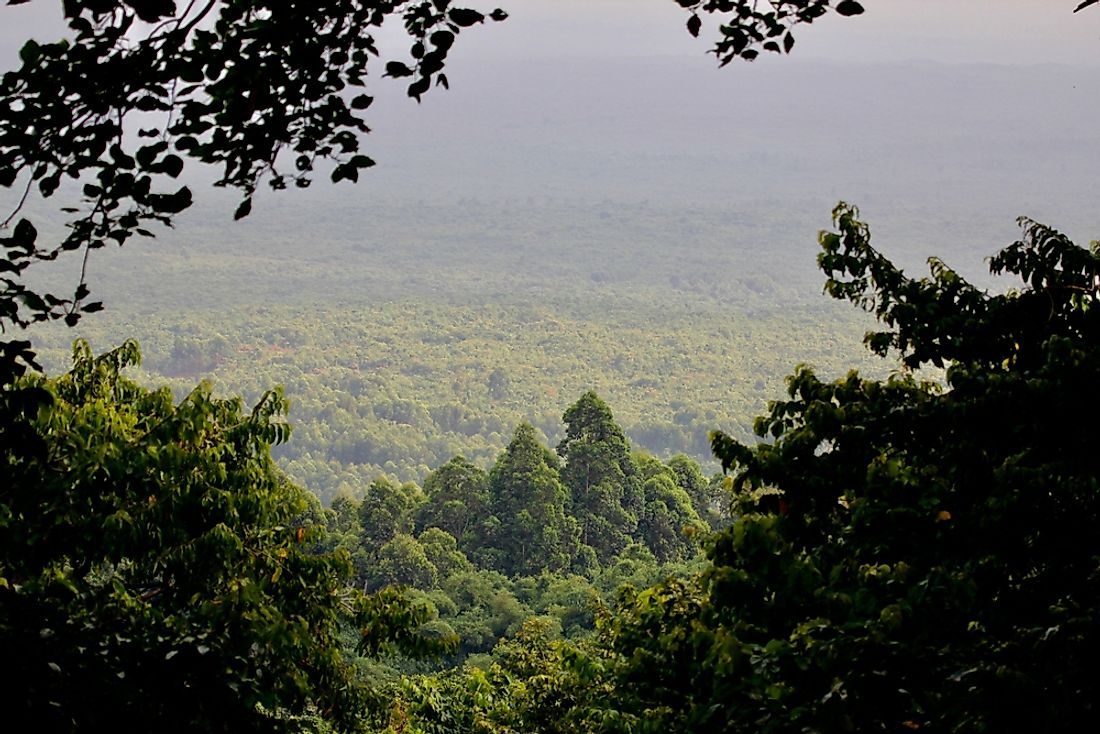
(669, 525)
(344, 516)
(401, 561)
(907, 555)
(569, 600)
(710, 501)
(388, 509)
(442, 550)
(341, 529)
(457, 502)
(151, 570)
(606, 494)
(526, 497)
(486, 608)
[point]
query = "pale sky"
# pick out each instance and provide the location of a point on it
(989, 31)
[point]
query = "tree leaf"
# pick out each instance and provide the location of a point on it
(243, 209)
(694, 24)
(849, 7)
(465, 17)
(396, 69)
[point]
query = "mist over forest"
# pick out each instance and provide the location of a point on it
(623, 391)
(662, 211)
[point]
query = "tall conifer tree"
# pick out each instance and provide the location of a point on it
(528, 500)
(606, 492)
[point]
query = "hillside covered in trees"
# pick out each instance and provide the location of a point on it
(501, 472)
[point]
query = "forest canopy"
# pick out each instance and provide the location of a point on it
(152, 547)
(902, 554)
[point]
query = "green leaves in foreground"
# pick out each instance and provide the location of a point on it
(917, 556)
(152, 568)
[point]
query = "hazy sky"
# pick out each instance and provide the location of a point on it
(494, 90)
(997, 31)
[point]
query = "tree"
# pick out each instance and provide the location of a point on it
(442, 550)
(151, 570)
(527, 499)
(340, 528)
(401, 561)
(345, 516)
(606, 494)
(457, 502)
(668, 525)
(906, 555)
(709, 501)
(530, 688)
(387, 510)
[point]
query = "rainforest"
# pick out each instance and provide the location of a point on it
(414, 367)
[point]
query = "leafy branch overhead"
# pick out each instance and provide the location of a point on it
(261, 89)
(753, 26)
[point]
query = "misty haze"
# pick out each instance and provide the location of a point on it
(528, 354)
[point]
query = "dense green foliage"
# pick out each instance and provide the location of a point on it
(153, 566)
(527, 527)
(488, 551)
(190, 584)
(906, 555)
(400, 388)
(607, 496)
